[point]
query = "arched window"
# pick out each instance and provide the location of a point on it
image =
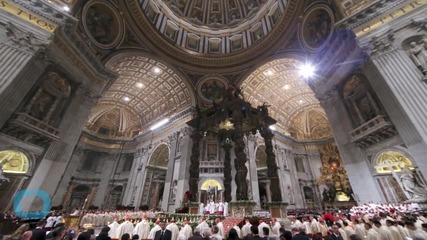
(14, 161)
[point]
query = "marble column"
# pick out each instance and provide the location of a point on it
(58, 155)
(398, 85)
(21, 65)
(194, 164)
(135, 180)
(184, 166)
(227, 170)
(253, 173)
(354, 159)
(172, 141)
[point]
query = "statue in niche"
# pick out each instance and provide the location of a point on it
(418, 54)
(366, 108)
(41, 106)
(412, 186)
(2, 177)
(325, 195)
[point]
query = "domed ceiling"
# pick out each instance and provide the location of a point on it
(212, 26)
(145, 92)
(278, 83)
(310, 124)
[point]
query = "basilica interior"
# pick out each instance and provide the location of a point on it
(139, 103)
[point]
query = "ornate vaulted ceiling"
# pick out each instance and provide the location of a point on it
(146, 91)
(278, 84)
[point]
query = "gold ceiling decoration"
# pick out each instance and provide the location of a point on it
(145, 92)
(160, 156)
(392, 161)
(278, 84)
(14, 161)
(310, 124)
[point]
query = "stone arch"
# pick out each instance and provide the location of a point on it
(261, 157)
(398, 157)
(79, 195)
(206, 182)
(16, 161)
(277, 82)
(160, 156)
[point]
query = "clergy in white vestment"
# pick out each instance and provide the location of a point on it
(173, 228)
(238, 230)
(212, 208)
(359, 228)
(371, 234)
(221, 208)
(215, 233)
(391, 225)
(225, 209)
(348, 230)
(262, 225)
(113, 229)
(220, 228)
(307, 226)
(187, 231)
(402, 230)
(414, 232)
(342, 231)
(125, 227)
(154, 229)
(246, 229)
(275, 227)
(383, 231)
(323, 227)
(314, 225)
(296, 223)
(142, 229)
(201, 208)
(203, 225)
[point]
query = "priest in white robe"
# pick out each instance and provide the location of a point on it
(186, 230)
(125, 227)
(371, 234)
(275, 227)
(113, 229)
(203, 225)
(391, 225)
(142, 229)
(154, 229)
(220, 228)
(238, 230)
(173, 228)
(246, 229)
(262, 225)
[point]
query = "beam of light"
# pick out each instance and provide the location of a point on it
(159, 124)
(307, 70)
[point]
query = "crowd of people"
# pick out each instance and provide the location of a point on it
(367, 222)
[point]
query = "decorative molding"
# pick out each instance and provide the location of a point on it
(23, 40)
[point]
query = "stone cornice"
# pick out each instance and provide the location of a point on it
(230, 62)
(374, 10)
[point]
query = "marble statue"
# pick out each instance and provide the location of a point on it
(418, 54)
(2, 177)
(412, 186)
(201, 208)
